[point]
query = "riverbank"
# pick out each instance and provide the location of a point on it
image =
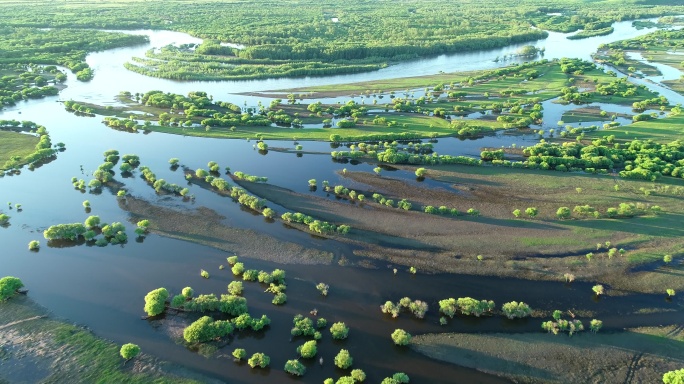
(639, 355)
(35, 347)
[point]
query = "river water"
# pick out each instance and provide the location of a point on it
(103, 288)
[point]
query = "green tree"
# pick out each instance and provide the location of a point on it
(9, 286)
(259, 360)
(401, 337)
(238, 269)
(358, 375)
(129, 351)
(598, 289)
(339, 331)
(235, 288)
(674, 377)
(295, 367)
(343, 359)
(155, 301)
(531, 211)
(308, 350)
(34, 245)
(563, 213)
(420, 172)
(239, 354)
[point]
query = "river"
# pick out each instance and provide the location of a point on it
(103, 288)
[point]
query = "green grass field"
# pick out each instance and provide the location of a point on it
(15, 144)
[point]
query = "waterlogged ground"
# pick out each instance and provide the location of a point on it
(103, 287)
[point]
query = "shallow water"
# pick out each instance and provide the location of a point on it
(103, 288)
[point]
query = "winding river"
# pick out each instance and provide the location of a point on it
(102, 288)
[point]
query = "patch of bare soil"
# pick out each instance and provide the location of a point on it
(636, 356)
(205, 226)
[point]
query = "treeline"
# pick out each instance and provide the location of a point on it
(203, 71)
(591, 33)
(65, 47)
(24, 81)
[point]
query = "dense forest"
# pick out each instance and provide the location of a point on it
(326, 37)
(66, 47)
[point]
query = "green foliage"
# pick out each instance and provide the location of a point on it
(308, 350)
(467, 306)
(9, 286)
(129, 351)
(674, 377)
(279, 298)
(339, 331)
(295, 367)
(514, 310)
(563, 213)
(401, 337)
(238, 269)
(239, 354)
(358, 375)
(323, 288)
(64, 231)
(598, 289)
(34, 245)
(303, 326)
(155, 301)
(188, 292)
(250, 275)
(204, 273)
(232, 260)
(343, 359)
(259, 360)
(206, 329)
(595, 325)
(321, 322)
(235, 288)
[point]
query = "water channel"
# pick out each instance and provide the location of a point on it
(103, 288)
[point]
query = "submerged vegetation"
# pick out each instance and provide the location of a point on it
(552, 205)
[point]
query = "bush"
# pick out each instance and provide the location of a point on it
(563, 213)
(323, 288)
(235, 288)
(9, 286)
(129, 351)
(294, 367)
(206, 329)
(308, 350)
(339, 331)
(279, 298)
(674, 377)
(514, 310)
(401, 337)
(239, 354)
(187, 292)
(343, 359)
(358, 375)
(33, 245)
(155, 301)
(259, 360)
(238, 269)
